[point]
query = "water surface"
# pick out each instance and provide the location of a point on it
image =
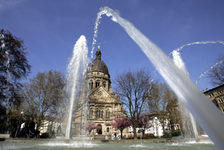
(41, 145)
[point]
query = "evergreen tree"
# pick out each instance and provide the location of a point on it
(13, 67)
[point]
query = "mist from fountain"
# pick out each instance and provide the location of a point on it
(208, 116)
(75, 77)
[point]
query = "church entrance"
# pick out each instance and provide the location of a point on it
(99, 129)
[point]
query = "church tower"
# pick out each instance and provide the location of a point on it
(98, 74)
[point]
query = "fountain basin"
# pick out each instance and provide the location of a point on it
(91, 145)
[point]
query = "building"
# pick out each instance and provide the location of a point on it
(154, 127)
(102, 104)
(216, 95)
(50, 125)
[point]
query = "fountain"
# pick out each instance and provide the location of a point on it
(210, 119)
(75, 73)
(176, 78)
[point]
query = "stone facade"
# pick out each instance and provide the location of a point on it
(216, 95)
(102, 105)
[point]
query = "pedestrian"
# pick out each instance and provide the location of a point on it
(115, 134)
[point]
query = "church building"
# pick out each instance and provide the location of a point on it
(103, 105)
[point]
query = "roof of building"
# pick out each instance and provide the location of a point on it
(215, 88)
(98, 65)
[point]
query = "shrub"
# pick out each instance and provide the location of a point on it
(149, 136)
(176, 133)
(129, 137)
(166, 135)
(140, 131)
(45, 135)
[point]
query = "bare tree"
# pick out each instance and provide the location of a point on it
(43, 95)
(216, 73)
(133, 88)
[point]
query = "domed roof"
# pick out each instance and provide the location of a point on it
(98, 65)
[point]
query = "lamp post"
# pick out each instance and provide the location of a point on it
(157, 133)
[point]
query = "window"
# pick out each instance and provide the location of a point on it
(96, 114)
(101, 114)
(97, 83)
(107, 114)
(91, 84)
(104, 83)
(108, 129)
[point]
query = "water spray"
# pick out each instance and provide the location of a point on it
(75, 76)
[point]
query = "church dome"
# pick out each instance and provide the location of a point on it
(98, 65)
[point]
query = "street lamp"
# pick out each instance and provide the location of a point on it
(157, 133)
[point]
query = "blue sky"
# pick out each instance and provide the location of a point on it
(50, 28)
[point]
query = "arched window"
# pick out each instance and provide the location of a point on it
(101, 114)
(91, 84)
(104, 83)
(97, 83)
(107, 114)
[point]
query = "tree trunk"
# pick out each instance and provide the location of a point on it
(172, 126)
(135, 134)
(121, 134)
(163, 126)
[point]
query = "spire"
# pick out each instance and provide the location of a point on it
(98, 53)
